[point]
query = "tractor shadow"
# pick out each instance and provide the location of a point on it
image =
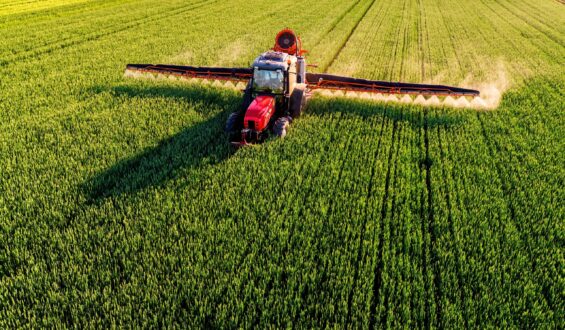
(201, 144)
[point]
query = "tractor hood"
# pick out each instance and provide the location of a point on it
(259, 113)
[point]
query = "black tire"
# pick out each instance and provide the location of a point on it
(281, 125)
(234, 122)
(297, 100)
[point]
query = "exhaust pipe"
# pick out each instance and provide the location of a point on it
(301, 70)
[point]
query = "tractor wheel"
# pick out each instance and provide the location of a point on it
(234, 122)
(281, 125)
(297, 100)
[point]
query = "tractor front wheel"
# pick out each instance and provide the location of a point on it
(281, 125)
(234, 122)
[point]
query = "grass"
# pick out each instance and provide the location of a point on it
(122, 205)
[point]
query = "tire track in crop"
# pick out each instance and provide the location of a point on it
(507, 188)
(519, 31)
(475, 64)
(392, 59)
(357, 159)
(425, 248)
(333, 200)
(393, 216)
(461, 189)
(430, 62)
(342, 46)
(74, 20)
(501, 239)
(379, 265)
(416, 305)
(95, 36)
(405, 41)
(249, 249)
(457, 252)
(262, 243)
(106, 28)
(511, 38)
(311, 188)
(364, 225)
(515, 48)
(421, 27)
(451, 35)
(47, 17)
(333, 26)
(338, 21)
(431, 223)
(375, 26)
(540, 13)
(256, 318)
(527, 20)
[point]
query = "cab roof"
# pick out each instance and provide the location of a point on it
(272, 60)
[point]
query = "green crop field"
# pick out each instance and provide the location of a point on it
(122, 204)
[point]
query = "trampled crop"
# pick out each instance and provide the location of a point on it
(122, 204)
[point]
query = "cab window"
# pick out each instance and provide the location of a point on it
(268, 81)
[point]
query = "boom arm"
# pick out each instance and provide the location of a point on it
(212, 73)
(331, 82)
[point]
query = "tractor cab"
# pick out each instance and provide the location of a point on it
(274, 73)
(275, 94)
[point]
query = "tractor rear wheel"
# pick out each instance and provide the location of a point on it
(234, 122)
(281, 125)
(297, 100)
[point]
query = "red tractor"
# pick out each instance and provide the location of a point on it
(278, 87)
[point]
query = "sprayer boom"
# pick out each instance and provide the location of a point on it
(332, 82)
(277, 88)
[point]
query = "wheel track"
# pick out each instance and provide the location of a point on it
(5, 63)
(422, 26)
(393, 216)
(405, 41)
(330, 210)
(340, 19)
(367, 46)
(510, 38)
(364, 226)
(300, 214)
(454, 47)
(392, 59)
(507, 188)
(342, 46)
(528, 20)
(256, 318)
(249, 246)
(501, 238)
(106, 29)
(450, 177)
(377, 280)
(351, 194)
(431, 225)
